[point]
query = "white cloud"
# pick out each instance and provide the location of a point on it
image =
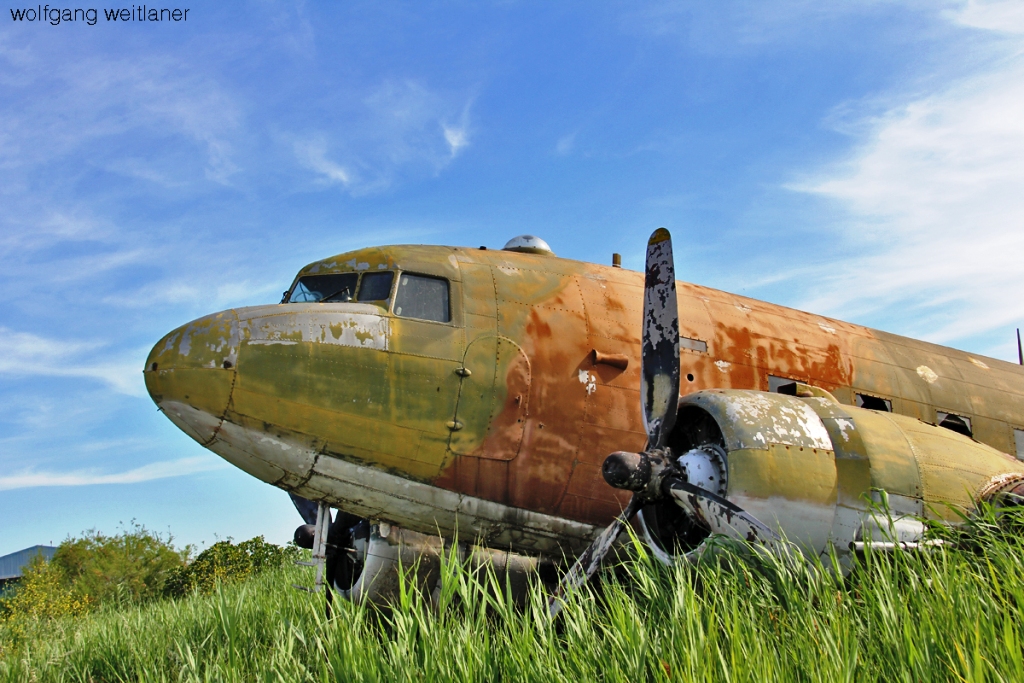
(25, 354)
(1000, 16)
(935, 195)
(313, 155)
(456, 137)
(396, 130)
(156, 470)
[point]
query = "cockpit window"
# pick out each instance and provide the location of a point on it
(336, 287)
(422, 297)
(376, 286)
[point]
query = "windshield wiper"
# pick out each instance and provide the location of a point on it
(343, 301)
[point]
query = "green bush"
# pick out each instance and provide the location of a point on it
(132, 566)
(225, 562)
(42, 595)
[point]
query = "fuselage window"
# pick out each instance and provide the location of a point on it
(422, 297)
(956, 423)
(782, 385)
(376, 286)
(314, 288)
(1018, 436)
(874, 403)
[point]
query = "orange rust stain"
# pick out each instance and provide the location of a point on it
(540, 473)
(538, 328)
(557, 468)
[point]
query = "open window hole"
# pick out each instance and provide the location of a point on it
(956, 423)
(874, 403)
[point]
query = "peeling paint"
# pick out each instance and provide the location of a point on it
(927, 374)
(415, 477)
(319, 326)
(845, 428)
(587, 380)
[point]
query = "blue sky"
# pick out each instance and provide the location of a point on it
(863, 160)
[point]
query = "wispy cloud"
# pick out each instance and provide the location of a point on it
(157, 470)
(25, 354)
(457, 134)
(108, 98)
(397, 130)
(313, 155)
(934, 200)
(457, 137)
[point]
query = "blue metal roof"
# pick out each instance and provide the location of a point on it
(11, 565)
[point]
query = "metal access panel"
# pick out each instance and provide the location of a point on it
(1018, 436)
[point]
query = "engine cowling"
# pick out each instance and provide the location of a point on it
(821, 473)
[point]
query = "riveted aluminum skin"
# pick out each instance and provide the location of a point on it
(374, 413)
(810, 467)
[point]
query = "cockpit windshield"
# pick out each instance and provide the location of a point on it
(342, 287)
(335, 287)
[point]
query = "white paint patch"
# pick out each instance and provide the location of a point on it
(743, 307)
(171, 341)
(790, 423)
(588, 381)
(927, 374)
(186, 342)
(271, 342)
(354, 325)
(845, 425)
(827, 328)
(452, 260)
(979, 363)
(723, 365)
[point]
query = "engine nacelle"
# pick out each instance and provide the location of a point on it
(820, 472)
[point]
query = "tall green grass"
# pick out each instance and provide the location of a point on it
(952, 614)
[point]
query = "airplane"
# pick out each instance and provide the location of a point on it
(452, 397)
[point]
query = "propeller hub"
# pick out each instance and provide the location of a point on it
(628, 471)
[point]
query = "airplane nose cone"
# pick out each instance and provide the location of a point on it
(191, 371)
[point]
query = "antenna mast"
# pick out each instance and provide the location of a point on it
(1020, 351)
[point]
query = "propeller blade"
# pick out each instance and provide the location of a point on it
(659, 363)
(306, 508)
(587, 564)
(718, 514)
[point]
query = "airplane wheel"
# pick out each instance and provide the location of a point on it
(343, 568)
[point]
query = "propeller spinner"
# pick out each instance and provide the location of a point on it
(655, 473)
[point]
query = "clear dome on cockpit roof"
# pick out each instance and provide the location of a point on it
(528, 244)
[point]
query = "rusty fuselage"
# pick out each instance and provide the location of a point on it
(495, 423)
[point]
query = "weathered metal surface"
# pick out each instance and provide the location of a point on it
(312, 397)
(721, 515)
(659, 358)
